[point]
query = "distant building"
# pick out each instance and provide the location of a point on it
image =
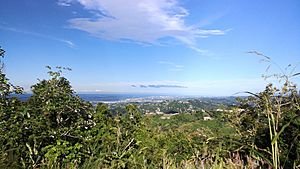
(150, 113)
(205, 118)
(158, 111)
(165, 117)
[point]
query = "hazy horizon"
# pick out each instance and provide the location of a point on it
(174, 47)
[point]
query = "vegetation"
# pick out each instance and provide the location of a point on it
(55, 128)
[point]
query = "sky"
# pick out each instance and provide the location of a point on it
(181, 47)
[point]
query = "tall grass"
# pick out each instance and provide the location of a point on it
(273, 100)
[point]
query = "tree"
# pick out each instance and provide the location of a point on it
(63, 116)
(11, 117)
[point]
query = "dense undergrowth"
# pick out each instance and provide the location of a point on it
(55, 128)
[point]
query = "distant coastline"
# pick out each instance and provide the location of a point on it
(106, 98)
(127, 98)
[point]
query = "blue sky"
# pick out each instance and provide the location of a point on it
(187, 47)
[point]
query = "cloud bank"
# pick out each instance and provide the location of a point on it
(146, 21)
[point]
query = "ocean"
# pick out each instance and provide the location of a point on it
(106, 98)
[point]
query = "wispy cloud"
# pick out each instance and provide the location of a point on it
(172, 66)
(147, 21)
(67, 42)
(64, 2)
(159, 86)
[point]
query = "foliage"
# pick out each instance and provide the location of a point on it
(54, 128)
(269, 122)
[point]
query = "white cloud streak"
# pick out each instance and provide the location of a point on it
(146, 21)
(67, 42)
(159, 86)
(64, 2)
(172, 66)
